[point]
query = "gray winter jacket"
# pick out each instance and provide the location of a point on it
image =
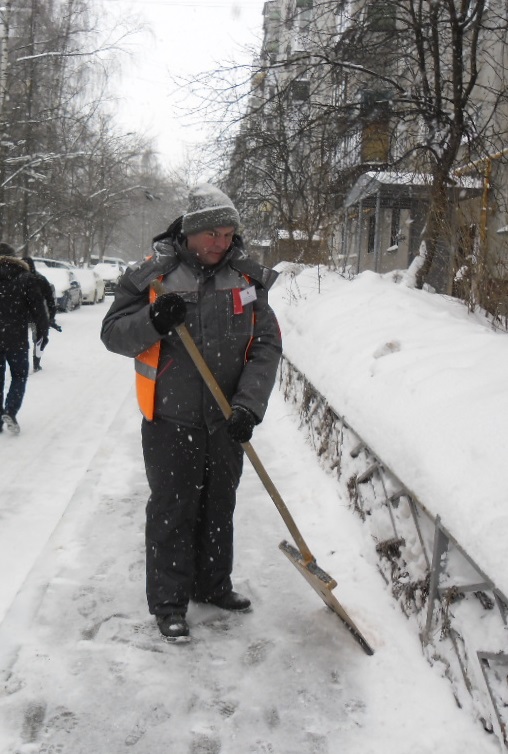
(241, 345)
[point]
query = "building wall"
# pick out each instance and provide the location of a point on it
(292, 26)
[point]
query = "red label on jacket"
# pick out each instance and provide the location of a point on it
(237, 301)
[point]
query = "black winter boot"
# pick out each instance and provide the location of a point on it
(173, 627)
(232, 601)
(11, 424)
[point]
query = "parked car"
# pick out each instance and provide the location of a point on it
(59, 263)
(110, 271)
(42, 268)
(67, 289)
(93, 287)
(111, 260)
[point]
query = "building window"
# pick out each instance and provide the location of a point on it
(375, 143)
(304, 19)
(344, 20)
(300, 90)
(381, 16)
(395, 227)
(340, 91)
(272, 12)
(373, 103)
(371, 234)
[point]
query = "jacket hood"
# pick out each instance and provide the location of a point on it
(11, 267)
(173, 232)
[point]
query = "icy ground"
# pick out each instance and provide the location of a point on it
(82, 668)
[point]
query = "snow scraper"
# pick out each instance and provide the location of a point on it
(301, 558)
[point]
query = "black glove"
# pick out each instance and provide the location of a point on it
(167, 311)
(241, 423)
(54, 325)
(44, 342)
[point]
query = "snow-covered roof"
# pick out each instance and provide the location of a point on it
(260, 242)
(298, 235)
(397, 184)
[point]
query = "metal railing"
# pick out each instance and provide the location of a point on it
(453, 604)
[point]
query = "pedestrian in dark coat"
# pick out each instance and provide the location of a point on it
(193, 456)
(21, 302)
(46, 289)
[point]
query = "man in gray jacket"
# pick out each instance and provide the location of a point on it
(193, 456)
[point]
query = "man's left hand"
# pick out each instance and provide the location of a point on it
(241, 423)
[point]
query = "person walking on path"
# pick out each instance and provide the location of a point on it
(21, 302)
(49, 301)
(193, 456)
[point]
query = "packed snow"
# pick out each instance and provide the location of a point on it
(83, 668)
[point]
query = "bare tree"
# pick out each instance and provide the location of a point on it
(280, 175)
(441, 94)
(421, 83)
(65, 171)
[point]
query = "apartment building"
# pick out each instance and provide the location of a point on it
(378, 120)
(280, 167)
(383, 218)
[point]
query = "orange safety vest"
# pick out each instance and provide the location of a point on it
(146, 365)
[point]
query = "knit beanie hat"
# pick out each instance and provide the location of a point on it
(209, 208)
(6, 250)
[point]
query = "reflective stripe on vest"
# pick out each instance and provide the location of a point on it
(146, 365)
(251, 339)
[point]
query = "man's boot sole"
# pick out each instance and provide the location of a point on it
(175, 639)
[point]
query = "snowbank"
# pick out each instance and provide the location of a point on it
(422, 381)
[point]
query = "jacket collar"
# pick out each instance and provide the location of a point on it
(15, 262)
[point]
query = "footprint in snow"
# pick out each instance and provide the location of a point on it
(256, 652)
(205, 744)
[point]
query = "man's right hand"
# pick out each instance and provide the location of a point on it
(167, 311)
(241, 423)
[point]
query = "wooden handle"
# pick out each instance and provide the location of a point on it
(203, 369)
(279, 503)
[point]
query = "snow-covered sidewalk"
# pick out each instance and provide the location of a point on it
(82, 666)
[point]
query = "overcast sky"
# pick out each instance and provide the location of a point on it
(185, 38)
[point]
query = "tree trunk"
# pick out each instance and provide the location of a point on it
(436, 228)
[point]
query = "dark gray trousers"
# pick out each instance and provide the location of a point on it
(17, 359)
(193, 478)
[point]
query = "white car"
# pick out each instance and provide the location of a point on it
(67, 288)
(110, 272)
(111, 260)
(93, 288)
(42, 267)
